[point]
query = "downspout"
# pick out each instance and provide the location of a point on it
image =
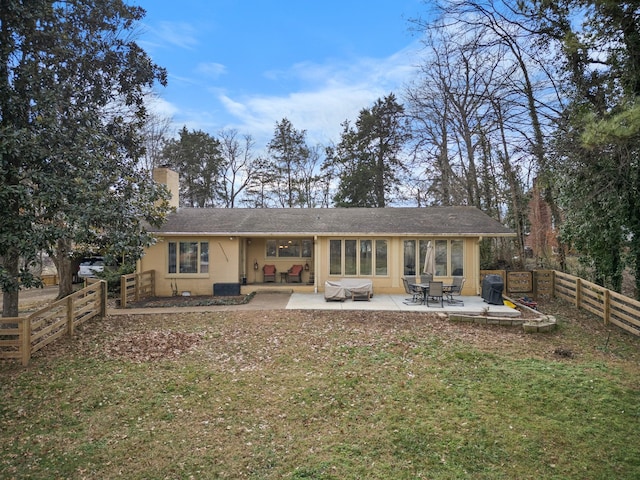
(315, 264)
(476, 266)
(243, 259)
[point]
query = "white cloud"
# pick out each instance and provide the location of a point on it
(211, 69)
(179, 34)
(332, 93)
(326, 94)
(161, 107)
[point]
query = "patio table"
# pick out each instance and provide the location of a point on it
(425, 290)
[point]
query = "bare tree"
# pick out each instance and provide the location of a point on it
(238, 168)
(450, 114)
(155, 133)
(313, 184)
(530, 87)
(483, 102)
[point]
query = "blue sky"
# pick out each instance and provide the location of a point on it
(248, 64)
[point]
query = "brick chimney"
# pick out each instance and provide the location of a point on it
(171, 179)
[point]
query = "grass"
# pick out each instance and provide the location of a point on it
(324, 395)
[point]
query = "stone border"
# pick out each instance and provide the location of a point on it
(547, 323)
(541, 324)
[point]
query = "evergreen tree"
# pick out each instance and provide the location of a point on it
(289, 154)
(72, 90)
(197, 158)
(368, 158)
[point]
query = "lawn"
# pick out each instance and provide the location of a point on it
(324, 395)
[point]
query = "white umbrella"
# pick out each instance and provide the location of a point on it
(429, 260)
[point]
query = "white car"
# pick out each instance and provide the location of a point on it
(90, 266)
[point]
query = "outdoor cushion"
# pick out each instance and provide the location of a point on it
(295, 274)
(269, 273)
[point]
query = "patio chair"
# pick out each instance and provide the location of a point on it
(269, 273)
(436, 292)
(456, 291)
(416, 293)
(294, 274)
(425, 278)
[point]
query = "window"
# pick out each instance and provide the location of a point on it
(449, 256)
(272, 249)
(409, 257)
(366, 258)
(457, 258)
(335, 257)
(307, 248)
(188, 257)
(354, 257)
(441, 257)
(350, 257)
(290, 248)
(381, 257)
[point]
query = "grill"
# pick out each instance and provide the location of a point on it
(492, 287)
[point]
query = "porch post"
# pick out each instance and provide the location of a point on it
(316, 264)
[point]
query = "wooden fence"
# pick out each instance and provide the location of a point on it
(612, 307)
(536, 283)
(136, 286)
(21, 337)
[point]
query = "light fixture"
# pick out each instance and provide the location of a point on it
(255, 265)
(306, 266)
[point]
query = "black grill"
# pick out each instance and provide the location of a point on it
(492, 287)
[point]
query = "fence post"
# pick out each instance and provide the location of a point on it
(104, 293)
(136, 287)
(578, 292)
(25, 340)
(606, 307)
(70, 306)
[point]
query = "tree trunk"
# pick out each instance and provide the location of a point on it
(10, 297)
(515, 191)
(62, 259)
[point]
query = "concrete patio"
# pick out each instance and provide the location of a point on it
(473, 305)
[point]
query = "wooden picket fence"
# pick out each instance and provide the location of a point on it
(21, 337)
(137, 286)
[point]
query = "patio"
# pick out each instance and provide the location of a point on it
(473, 305)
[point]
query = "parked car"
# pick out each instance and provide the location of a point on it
(90, 266)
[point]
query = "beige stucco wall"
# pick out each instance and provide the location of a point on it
(231, 258)
(224, 266)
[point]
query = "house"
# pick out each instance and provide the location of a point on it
(200, 247)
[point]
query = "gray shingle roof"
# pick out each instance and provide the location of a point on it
(437, 221)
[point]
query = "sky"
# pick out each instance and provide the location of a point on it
(246, 65)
